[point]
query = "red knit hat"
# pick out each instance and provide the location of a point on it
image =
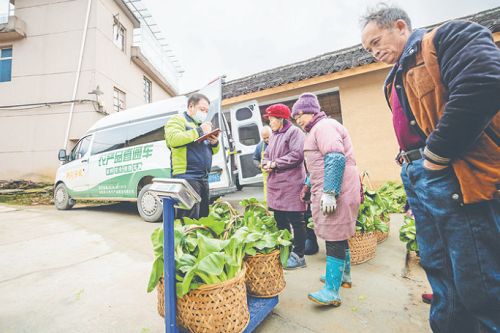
(278, 110)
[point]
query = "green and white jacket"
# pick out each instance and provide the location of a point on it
(189, 159)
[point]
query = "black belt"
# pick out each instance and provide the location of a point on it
(410, 156)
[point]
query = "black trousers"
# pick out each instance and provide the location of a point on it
(309, 232)
(337, 249)
(200, 209)
(296, 219)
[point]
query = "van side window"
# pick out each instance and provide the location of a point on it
(249, 134)
(149, 131)
(243, 114)
(108, 140)
(80, 148)
(130, 135)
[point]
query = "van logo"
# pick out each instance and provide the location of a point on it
(126, 155)
(74, 174)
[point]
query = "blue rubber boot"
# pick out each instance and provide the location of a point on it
(346, 278)
(329, 295)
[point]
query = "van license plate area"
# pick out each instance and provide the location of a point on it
(213, 177)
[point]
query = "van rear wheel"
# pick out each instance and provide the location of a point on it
(150, 208)
(62, 200)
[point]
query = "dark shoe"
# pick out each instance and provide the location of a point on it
(427, 298)
(295, 262)
(311, 247)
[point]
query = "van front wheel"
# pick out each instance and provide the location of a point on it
(62, 200)
(150, 208)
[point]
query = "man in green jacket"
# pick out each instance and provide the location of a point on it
(192, 160)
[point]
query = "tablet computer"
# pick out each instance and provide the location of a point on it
(214, 132)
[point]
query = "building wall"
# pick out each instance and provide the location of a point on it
(44, 70)
(369, 121)
(116, 69)
(365, 114)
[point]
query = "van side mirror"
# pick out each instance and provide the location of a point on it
(62, 155)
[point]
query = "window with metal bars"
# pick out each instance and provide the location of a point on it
(119, 35)
(118, 100)
(146, 87)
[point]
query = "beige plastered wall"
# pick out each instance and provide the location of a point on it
(44, 70)
(365, 114)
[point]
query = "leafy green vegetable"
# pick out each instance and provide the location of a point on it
(253, 205)
(221, 210)
(266, 234)
(211, 250)
(370, 213)
(157, 271)
(408, 234)
(393, 195)
(389, 198)
(310, 223)
(246, 202)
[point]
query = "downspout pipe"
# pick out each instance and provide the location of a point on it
(65, 145)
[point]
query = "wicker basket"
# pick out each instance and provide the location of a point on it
(363, 247)
(212, 308)
(264, 276)
(381, 237)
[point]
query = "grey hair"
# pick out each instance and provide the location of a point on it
(266, 129)
(385, 16)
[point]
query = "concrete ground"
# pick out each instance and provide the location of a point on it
(87, 270)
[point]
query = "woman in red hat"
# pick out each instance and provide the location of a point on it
(284, 164)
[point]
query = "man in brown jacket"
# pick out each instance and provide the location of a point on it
(444, 93)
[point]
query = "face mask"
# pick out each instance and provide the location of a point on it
(200, 117)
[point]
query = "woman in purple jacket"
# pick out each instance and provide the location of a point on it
(334, 188)
(284, 163)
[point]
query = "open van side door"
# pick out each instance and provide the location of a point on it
(246, 125)
(220, 177)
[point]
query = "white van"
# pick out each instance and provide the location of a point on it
(120, 154)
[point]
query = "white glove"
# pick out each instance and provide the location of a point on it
(328, 203)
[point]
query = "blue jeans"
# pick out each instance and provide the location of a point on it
(459, 249)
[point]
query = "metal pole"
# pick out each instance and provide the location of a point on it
(169, 265)
(77, 75)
